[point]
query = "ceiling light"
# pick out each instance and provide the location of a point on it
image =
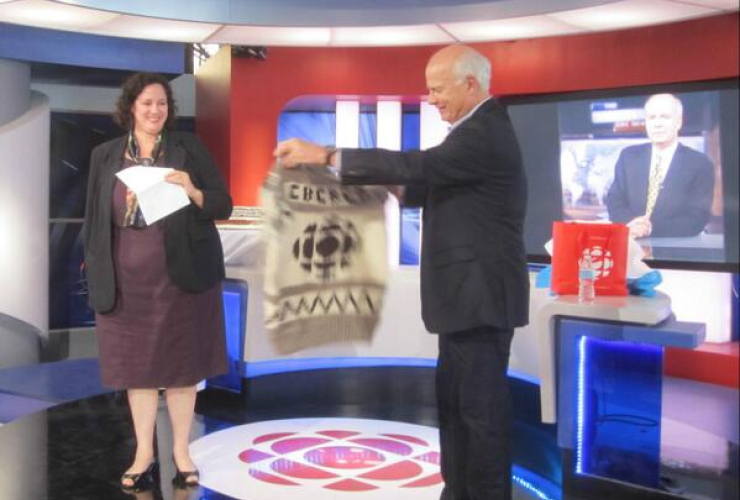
(630, 13)
(392, 36)
(258, 35)
(508, 29)
(719, 4)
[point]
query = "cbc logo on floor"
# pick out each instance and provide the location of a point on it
(330, 458)
(601, 259)
(342, 460)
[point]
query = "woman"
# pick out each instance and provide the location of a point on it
(156, 289)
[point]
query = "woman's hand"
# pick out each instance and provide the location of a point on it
(183, 179)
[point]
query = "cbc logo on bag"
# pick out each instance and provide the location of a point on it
(363, 459)
(601, 260)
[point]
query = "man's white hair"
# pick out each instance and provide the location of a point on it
(676, 101)
(473, 63)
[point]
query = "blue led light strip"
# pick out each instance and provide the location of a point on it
(581, 403)
(535, 484)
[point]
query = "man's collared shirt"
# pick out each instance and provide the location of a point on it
(459, 122)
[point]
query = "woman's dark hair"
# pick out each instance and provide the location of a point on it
(130, 91)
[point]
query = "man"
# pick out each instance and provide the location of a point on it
(663, 188)
(474, 278)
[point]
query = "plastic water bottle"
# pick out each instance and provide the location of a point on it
(586, 279)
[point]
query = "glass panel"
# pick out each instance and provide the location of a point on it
(618, 399)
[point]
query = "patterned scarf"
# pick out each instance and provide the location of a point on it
(133, 216)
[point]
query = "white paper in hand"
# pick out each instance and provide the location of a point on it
(157, 197)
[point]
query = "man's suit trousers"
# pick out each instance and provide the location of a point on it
(474, 413)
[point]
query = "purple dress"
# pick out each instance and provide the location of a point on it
(157, 334)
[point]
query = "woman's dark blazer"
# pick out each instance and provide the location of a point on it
(195, 259)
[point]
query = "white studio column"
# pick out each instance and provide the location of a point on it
(389, 130)
(348, 124)
(432, 129)
(24, 214)
(15, 90)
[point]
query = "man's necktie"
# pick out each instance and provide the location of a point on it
(656, 179)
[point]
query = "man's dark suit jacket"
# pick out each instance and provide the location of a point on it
(474, 193)
(684, 202)
(195, 259)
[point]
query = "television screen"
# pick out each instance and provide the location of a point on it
(661, 159)
(67, 280)
(73, 137)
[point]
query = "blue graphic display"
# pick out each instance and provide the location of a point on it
(235, 294)
(618, 400)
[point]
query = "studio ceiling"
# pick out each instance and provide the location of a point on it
(350, 22)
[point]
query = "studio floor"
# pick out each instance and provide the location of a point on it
(358, 436)
(343, 434)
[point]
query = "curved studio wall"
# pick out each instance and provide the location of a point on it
(24, 212)
(15, 80)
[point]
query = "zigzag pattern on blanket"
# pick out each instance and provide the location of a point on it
(363, 301)
(326, 262)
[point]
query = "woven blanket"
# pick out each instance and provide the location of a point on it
(326, 262)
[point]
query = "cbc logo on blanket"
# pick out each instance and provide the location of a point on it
(326, 247)
(601, 260)
(333, 458)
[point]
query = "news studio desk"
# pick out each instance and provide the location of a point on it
(601, 382)
(401, 336)
(629, 309)
(702, 240)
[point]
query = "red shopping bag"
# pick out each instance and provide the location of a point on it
(607, 245)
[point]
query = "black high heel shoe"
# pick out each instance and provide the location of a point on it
(140, 480)
(186, 479)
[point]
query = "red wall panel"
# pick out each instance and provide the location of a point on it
(694, 50)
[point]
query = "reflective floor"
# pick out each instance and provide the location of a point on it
(374, 443)
(359, 434)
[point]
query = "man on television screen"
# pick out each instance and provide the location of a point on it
(662, 188)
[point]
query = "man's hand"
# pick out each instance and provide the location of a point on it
(295, 151)
(640, 227)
